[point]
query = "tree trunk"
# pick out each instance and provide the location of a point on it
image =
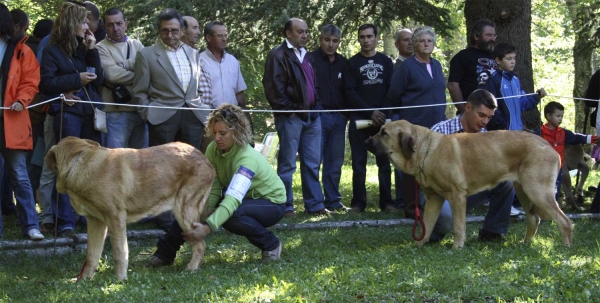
(513, 25)
(582, 61)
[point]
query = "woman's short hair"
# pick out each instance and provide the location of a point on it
(421, 30)
(236, 120)
(64, 33)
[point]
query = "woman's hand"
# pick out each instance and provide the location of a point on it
(198, 232)
(87, 77)
(17, 106)
(70, 95)
(89, 40)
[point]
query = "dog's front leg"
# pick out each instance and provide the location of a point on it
(95, 244)
(458, 204)
(433, 205)
(118, 239)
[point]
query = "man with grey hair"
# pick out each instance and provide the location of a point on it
(329, 66)
(191, 31)
(167, 75)
(403, 44)
(226, 80)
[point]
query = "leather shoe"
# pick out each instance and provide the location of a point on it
(323, 211)
(289, 213)
(156, 262)
(355, 209)
(390, 209)
(486, 236)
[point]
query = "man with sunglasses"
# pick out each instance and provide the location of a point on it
(167, 75)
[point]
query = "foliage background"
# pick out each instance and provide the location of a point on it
(256, 26)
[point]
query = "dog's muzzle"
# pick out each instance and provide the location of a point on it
(374, 146)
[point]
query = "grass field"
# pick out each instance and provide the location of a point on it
(359, 264)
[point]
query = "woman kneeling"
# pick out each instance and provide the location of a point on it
(247, 195)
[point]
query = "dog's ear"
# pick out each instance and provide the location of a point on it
(407, 144)
(50, 159)
(91, 142)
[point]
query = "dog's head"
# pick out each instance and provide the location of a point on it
(398, 141)
(59, 157)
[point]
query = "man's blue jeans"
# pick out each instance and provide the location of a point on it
(357, 138)
(78, 126)
(250, 220)
(126, 129)
(332, 156)
(304, 138)
(497, 218)
(16, 164)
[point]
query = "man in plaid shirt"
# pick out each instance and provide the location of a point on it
(479, 109)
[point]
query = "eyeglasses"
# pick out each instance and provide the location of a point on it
(166, 31)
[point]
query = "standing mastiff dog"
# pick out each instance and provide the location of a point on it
(455, 166)
(112, 187)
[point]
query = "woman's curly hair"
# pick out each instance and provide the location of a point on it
(235, 119)
(64, 33)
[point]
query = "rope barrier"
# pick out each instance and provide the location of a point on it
(271, 110)
(287, 111)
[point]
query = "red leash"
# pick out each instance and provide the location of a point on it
(81, 271)
(418, 217)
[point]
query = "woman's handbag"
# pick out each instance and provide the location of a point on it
(99, 117)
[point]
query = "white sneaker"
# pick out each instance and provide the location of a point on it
(272, 255)
(515, 212)
(35, 235)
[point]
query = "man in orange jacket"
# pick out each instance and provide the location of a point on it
(19, 79)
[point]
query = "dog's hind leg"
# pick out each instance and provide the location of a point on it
(532, 219)
(433, 205)
(118, 240)
(198, 250)
(96, 230)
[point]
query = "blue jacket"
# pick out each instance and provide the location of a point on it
(60, 74)
(508, 113)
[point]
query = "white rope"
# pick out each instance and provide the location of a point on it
(287, 111)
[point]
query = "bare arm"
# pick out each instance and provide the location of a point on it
(241, 100)
(456, 96)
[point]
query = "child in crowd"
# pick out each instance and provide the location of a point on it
(503, 83)
(559, 137)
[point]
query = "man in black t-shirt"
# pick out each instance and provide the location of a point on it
(473, 65)
(367, 80)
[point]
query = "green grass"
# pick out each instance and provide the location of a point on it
(360, 264)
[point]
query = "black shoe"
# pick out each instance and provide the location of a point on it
(65, 233)
(156, 262)
(486, 236)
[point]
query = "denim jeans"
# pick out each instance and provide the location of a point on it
(15, 161)
(304, 138)
(126, 129)
(497, 218)
(77, 126)
(48, 177)
(357, 138)
(250, 220)
(333, 149)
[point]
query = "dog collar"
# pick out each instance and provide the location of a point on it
(73, 164)
(428, 142)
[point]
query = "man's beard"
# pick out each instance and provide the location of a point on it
(487, 46)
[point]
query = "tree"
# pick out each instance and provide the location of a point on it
(513, 25)
(584, 17)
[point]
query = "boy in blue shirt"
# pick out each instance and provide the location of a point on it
(503, 83)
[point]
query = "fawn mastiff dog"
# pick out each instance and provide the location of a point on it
(455, 166)
(112, 187)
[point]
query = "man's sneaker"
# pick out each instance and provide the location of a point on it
(515, 212)
(35, 235)
(156, 262)
(355, 209)
(272, 255)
